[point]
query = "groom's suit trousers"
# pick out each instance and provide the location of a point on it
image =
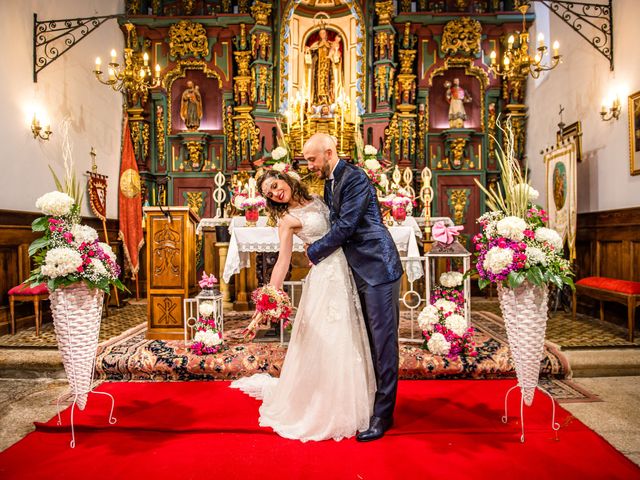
(381, 312)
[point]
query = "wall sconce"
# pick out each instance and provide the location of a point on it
(36, 129)
(611, 112)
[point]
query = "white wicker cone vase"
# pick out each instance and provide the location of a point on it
(77, 311)
(525, 313)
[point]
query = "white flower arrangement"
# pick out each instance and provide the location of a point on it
(57, 204)
(447, 306)
(536, 256)
(84, 234)
(206, 309)
(210, 338)
(456, 323)
(106, 248)
(497, 259)
(451, 279)
(438, 344)
(238, 200)
(524, 189)
(428, 317)
(372, 164)
(279, 153)
(370, 150)
(512, 228)
(253, 202)
(550, 236)
(61, 261)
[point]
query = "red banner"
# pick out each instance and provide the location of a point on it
(98, 194)
(130, 204)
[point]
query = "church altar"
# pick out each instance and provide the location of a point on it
(261, 238)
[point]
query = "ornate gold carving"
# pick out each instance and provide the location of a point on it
(243, 6)
(457, 152)
(188, 38)
(243, 59)
(261, 45)
(492, 131)
(195, 201)
(195, 154)
(247, 138)
(188, 6)
(160, 134)
(136, 133)
(179, 71)
(461, 36)
(391, 134)
(462, 5)
(228, 130)
(384, 82)
(405, 6)
(261, 11)
(422, 129)
(458, 200)
(406, 60)
(384, 44)
(240, 41)
(384, 10)
(166, 251)
(145, 140)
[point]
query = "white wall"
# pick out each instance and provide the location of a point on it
(65, 88)
(580, 83)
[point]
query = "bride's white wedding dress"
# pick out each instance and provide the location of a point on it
(327, 384)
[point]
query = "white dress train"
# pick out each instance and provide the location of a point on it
(327, 384)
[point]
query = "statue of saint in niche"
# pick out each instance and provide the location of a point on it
(191, 106)
(457, 97)
(323, 69)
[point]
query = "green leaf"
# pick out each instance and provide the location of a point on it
(37, 244)
(512, 280)
(40, 224)
(483, 282)
(536, 276)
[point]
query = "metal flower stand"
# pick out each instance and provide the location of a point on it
(192, 308)
(505, 418)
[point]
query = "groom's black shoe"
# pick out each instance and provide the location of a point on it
(376, 430)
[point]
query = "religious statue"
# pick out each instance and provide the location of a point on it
(457, 97)
(308, 73)
(326, 79)
(191, 106)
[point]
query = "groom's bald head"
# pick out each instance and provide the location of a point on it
(321, 154)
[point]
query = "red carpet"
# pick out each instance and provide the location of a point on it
(444, 429)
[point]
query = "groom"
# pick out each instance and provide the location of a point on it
(356, 226)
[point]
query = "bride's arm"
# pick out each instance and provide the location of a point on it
(286, 229)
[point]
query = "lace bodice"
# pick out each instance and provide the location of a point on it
(314, 217)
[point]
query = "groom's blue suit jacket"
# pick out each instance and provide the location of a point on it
(357, 227)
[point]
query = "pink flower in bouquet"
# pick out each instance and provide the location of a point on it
(207, 281)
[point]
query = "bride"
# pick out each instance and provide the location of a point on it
(327, 384)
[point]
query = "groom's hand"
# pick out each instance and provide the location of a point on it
(306, 245)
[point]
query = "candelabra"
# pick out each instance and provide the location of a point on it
(611, 112)
(36, 129)
(517, 61)
(134, 77)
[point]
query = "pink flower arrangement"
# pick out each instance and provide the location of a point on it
(207, 339)
(272, 306)
(207, 282)
(445, 330)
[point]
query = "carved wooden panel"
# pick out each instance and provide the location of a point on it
(167, 259)
(166, 311)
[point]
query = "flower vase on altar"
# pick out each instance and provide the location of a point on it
(251, 216)
(399, 214)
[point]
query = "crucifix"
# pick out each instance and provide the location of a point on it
(561, 124)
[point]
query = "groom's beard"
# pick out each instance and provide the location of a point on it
(325, 171)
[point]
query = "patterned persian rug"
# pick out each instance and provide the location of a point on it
(133, 357)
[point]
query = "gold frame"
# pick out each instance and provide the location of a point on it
(634, 133)
(575, 129)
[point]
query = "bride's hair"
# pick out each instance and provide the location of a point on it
(299, 192)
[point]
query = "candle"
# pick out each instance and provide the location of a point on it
(157, 71)
(493, 57)
(142, 73)
(506, 62)
(98, 63)
(113, 55)
(145, 59)
(603, 110)
(540, 39)
(112, 74)
(556, 47)
(511, 40)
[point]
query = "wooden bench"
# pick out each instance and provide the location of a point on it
(607, 289)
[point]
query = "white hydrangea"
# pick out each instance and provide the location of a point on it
(512, 228)
(278, 153)
(279, 166)
(206, 309)
(106, 248)
(99, 268)
(525, 189)
(451, 279)
(438, 344)
(61, 261)
(536, 256)
(457, 324)
(497, 259)
(209, 338)
(445, 305)
(55, 203)
(83, 234)
(370, 150)
(238, 201)
(429, 316)
(372, 164)
(549, 236)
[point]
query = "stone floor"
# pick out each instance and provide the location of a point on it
(616, 417)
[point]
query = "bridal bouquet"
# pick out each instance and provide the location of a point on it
(445, 330)
(69, 252)
(449, 288)
(208, 339)
(272, 306)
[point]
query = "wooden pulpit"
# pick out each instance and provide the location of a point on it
(171, 268)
